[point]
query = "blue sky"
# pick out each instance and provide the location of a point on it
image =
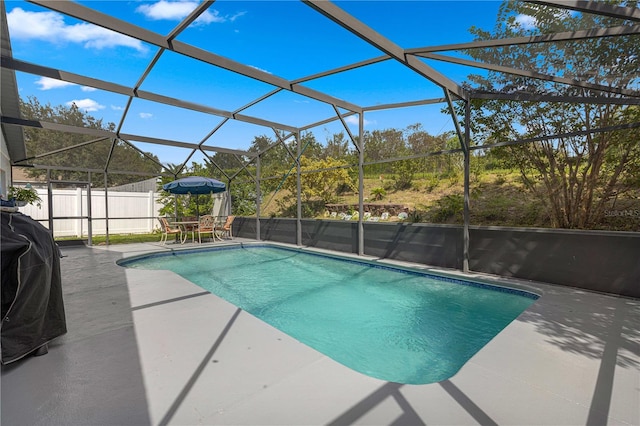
(284, 38)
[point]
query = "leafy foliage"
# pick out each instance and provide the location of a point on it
(322, 184)
(404, 171)
(26, 194)
(577, 176)
(378, 193)
(338, 147)
(448, 208)
(91, 156)
(243, 198)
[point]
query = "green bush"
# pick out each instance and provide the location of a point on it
(447, 207)
(431, 182)
(417, 216)
(378, 193)
(497, 209)
(404, 171)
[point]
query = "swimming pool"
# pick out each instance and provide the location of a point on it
(393, 324)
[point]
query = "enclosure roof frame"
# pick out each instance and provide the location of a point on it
(12, 123)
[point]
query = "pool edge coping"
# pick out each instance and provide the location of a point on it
(456, 277)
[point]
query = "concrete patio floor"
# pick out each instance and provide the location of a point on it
(148, 347)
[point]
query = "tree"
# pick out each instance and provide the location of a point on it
(420, 141)
(275, 158)
(337, 147)
(223, 160)
(243, 196)
(310, 147)
(575, 177)
(323, 184)
(403, 173)
(92, 156)
(383, 145)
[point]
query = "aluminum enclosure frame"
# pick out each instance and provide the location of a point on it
(12, 123)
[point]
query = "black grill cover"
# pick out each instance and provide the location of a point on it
(32, 305)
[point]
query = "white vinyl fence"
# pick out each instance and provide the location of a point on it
(128, 206)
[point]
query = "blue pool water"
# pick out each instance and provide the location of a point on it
(396, 325)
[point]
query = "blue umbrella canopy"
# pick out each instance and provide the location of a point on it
(194, 185)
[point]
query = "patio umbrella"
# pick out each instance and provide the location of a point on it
(195, 185)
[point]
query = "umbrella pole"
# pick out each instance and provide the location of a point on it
(175, 207)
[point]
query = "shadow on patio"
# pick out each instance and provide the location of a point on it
(92, 374)
(147, 347)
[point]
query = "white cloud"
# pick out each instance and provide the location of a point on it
(86, 104)
(354, 120)
(209, 17)
(178, 10)
(236, 16)
(526, 22)
(99, 38)
(117, 108)
(47, 83)
(50, 26)
(40, 25)
(145, 115)
(171, 10)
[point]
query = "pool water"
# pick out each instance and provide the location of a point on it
(391, 324)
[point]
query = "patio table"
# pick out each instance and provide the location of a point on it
(187, 226)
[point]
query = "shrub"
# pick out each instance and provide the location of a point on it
(404, 171)
(447, 207)
(378, 193)
(431, 182)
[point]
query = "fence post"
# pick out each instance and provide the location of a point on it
(50, 202)
(79, 212)
(152, 205)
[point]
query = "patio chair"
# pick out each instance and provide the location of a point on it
(206, 225)
(167, 230)
(226, 229)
